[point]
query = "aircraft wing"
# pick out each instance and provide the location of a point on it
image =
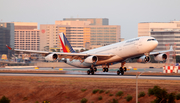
(159, 52)
(80, 56)
(31, 51)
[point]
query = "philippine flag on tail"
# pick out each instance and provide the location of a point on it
(65, 44)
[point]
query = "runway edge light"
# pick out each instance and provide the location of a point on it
(60, 68)
(135, 69)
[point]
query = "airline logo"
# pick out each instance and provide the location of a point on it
(65, 44)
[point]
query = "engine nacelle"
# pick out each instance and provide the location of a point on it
(144, 59)
(51, 57)
(160, 57)
(64, 60)
(91, 59)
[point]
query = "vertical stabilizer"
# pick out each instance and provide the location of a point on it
(65, 43)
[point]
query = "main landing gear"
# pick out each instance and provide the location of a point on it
(105, 67)
(91, 71)
(94, 69)
(122, 69)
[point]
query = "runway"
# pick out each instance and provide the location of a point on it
(98, 75)
(85, 69)
(81, 73)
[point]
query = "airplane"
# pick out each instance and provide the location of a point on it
(140, 47)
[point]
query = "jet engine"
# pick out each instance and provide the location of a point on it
(51, 57)
(160, 57)
(144, 59)
(64, 60)
(91, 59)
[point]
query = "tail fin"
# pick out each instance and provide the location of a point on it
(8, 47)
(65, 43)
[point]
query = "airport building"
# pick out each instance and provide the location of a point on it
(166, 34)
(93, 21)
(49, 37)
(82, 33)
(26, 36)
(104, 35)
(145, 28)
(6, 37)
(167, 38)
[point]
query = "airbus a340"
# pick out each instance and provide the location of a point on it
(140, 47)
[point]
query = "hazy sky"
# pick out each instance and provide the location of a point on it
(126, 13)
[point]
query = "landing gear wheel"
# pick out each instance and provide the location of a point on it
(88, 72)
(92, 71)
(122, 71)
(95, 69)
(106, 69)
(118, 72)
(125, 69)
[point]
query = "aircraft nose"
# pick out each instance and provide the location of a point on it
(155, 43)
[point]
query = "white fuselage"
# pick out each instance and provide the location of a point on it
(122, 50)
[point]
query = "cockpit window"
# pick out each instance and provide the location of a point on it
(151, 40)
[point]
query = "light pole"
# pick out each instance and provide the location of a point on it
(137, 86)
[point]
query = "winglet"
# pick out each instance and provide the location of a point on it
(8, 47)
(171, 48)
